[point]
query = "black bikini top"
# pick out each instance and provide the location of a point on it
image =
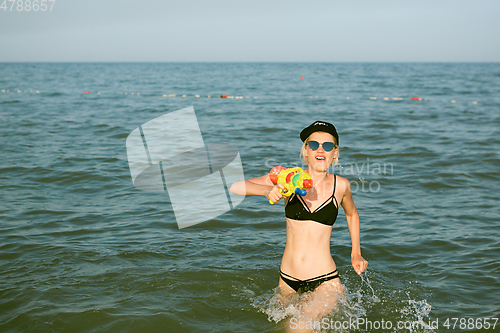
(326, 213)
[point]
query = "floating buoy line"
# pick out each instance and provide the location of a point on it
(225, 96)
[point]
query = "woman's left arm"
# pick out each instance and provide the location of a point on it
(351, 213)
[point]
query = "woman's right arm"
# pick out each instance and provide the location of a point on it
(258, 186)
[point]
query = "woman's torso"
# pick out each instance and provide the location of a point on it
(309, 227)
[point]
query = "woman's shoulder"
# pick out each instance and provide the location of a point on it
(342, 183)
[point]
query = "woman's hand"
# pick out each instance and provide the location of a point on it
(359, 263)
(274, 193)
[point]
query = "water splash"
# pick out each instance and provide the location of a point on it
(418, 311)
(368, 298)
(365, 280)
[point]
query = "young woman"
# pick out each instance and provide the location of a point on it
(307, 264)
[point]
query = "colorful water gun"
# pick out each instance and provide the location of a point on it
(295, 180)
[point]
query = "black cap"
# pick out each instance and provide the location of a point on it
(319, 126)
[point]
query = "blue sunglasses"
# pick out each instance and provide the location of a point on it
(327, 146)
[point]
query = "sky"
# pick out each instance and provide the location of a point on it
(252, 31)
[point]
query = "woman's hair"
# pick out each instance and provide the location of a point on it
(303, 157)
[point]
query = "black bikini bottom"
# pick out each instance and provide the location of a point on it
(309, 284)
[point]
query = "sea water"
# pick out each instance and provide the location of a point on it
(82, 250)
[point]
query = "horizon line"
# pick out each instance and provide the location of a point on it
(228, 62)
